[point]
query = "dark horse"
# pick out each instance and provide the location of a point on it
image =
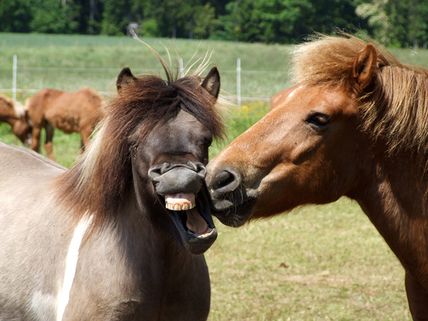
(96, 242)
(355, 124)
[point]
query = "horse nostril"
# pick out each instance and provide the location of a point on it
(226, 181)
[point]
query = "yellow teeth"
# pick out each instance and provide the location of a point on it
(180, 202)
(178, 205)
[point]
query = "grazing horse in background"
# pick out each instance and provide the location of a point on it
(355, 124)
(13, 113)
(119, 236)
(70, 112)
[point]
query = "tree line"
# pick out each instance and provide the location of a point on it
(392, 22)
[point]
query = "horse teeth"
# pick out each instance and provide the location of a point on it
(179, 203)
(179, 207)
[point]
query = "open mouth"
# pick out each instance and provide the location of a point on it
(191, 216)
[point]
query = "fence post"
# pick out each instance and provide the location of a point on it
(180, 67)
(15, 70)
(238, 82)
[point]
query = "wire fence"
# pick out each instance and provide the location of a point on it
(238, 85)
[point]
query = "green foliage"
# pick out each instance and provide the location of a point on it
(150, 28)
(53, 16)
(15, 15)
(400, 23)
(409, 25)
(266, 20)
(393, 22)
(114, 17)
(204, 21)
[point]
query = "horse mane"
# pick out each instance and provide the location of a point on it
(395, 107)
(98, 183)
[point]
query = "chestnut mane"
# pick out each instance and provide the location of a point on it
(98, 183)
(395, 108)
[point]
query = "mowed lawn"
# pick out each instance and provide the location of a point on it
(315, 263)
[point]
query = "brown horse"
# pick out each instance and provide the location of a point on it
(356, 124)
(120, 235)
(71, 112)
(13, 113)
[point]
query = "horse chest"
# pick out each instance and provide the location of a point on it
(152, 300)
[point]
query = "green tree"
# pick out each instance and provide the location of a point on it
(203, 21)
(55, 16)
(90, 15)
(116, 16)
(397, 22)
(15, 15)
(266, 20)
(408, 22)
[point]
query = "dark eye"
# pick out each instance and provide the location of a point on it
(207, 141)
(318, 120)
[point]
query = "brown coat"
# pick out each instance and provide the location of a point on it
(78, 111)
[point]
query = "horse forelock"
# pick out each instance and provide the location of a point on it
(100, 180)
(396, 107)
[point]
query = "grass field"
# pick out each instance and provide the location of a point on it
(316, 263)
(71, 62)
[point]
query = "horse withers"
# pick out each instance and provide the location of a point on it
(71, 112)
(120, 235)
(14, 114)
(355, 124)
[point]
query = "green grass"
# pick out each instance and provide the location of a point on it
(71, 62)
(316, 263)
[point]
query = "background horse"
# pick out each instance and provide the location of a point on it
(98, 241)
(356, 124)
(13, 113)
(71, 112)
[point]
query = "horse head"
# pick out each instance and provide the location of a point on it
(301, 151)
(172, 154)
(14, 113)
(155, 139)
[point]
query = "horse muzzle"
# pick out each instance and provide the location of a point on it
(183, 190)
(231, 201)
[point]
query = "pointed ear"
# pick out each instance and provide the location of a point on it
(211, 82)
(364, 67)
(124, 78)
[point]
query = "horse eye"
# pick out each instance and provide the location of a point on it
(318, 120)
(207, 141)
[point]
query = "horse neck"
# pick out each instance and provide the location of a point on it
(394, 196)
(146, 223)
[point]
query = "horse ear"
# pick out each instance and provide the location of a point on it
(211, 82)
(124, 78)
(364, 66)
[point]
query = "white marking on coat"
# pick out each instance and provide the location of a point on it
(71, 265)
(43, 306)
